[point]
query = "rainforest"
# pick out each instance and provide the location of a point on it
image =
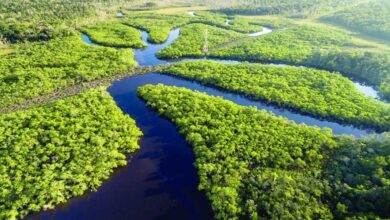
(194, 109)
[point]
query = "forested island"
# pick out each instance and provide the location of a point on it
(194, 109)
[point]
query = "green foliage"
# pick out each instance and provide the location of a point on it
(230, 141)
(35, 69)
(316, 47)
(372, 18)
(292, 8)
(316, 92)
(158, 26)
(254, 165)
(294, 45)
(36, 20)
(369, 67)
(52, 153)
(236, 23)
(114, 34)
(275, 23)
(191, 41)
(385, 89)
(359, 173)
(280, 194)
(16, 32)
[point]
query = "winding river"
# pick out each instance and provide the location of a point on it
(160, 181)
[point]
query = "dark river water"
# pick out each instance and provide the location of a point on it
(160, 181)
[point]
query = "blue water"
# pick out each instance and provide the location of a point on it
(88, 40)
(367, 90)
(132, 83)
(160, 181)
(147, 57)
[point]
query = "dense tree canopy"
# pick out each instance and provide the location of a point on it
(316, 92)
(230, 141)
(52, 153)
(284, 194)
(192, 41)
(372, 18)
(235, 23)
(359, 175)
(158, 26)
(369, 67)
(114, 34)
(323, 48)
(292, 8)
(36, 20)
(251, 163)
(254, 165)
(294, 45)
(35, 69)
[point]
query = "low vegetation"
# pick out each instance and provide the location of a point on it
(253, 164)
(114, 34)
(52, 153)
(372, 18)
(315, 92)
(35, 69)
(192, 41)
